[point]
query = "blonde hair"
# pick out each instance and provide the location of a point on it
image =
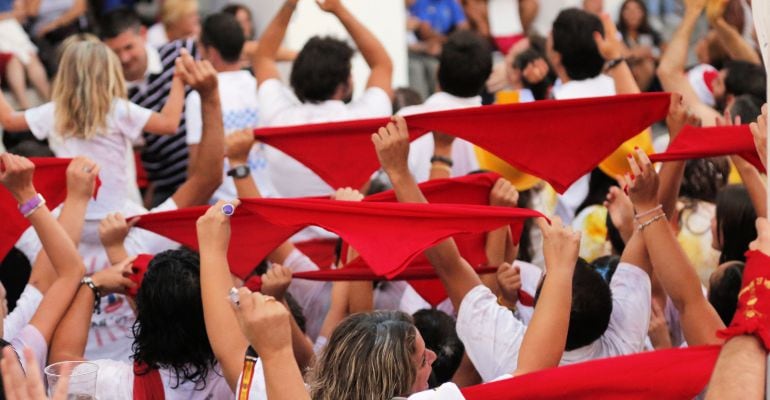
(173, 10)
(368, 357)
(88, 80)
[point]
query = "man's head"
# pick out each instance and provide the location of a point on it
(738, 78)
(222, 40)
(465, 64)
(591, 306)
(168, 309)
(122, 31)
(321, 71)
(571, 48)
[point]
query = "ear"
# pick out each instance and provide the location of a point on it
(143, 32)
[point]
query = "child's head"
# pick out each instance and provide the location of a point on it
(88, 80)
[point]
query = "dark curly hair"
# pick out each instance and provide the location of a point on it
(320, 67)
(169, 331)
(573, 38)
(704, 177)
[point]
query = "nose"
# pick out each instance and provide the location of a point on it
(431, 356)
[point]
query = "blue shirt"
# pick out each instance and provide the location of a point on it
(6, 5)
(442, 15)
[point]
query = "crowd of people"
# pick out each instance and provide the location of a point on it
(159, 116)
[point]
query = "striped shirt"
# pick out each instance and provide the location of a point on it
(164, 157)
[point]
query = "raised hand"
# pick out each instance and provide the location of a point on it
(115, 278)
(561, 245)
(81, 178)
(678, 116)
(113, 229)
(762, 242)
(200, 75)
(347, 194)
(509, 281)
(503, 194)
(264, 321)
(276, 281)
(535, 71)
(238, 145)
(214, 226)
(392, 145)
(643, 184)
(330, 6)
(610, 47)
(16, 174)
(621, 211)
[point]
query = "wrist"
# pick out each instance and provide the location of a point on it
(24, 195)
(442, 151)
(279, 355)
(641, 208)
(399, 176)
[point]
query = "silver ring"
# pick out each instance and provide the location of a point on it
(228, 209)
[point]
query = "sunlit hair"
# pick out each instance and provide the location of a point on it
(368, 357)
(174, 10)
(88, 80)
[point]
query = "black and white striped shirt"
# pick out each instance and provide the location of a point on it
(164, 157)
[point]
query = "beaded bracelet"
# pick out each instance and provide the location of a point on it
(648, 212)
(650, 221)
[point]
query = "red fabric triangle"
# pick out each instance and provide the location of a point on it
(693, 143)
(387, 235)
(139, 268)
(664, 374)
(147, 383)
(50, 180)
(556, 140)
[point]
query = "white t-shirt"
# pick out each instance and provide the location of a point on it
(30, 337)
(240, 110)
(109, 150)
(313, 296)
(280, 107)
(26, 307)
(110, 336)
(115, 380)
(421, 150)
(492, 336)
(601, 85)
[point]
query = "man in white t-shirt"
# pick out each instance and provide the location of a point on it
(321, 90)
(221, 44)
(464, 66)
(110, 334)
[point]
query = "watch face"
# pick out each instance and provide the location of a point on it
(240, 171)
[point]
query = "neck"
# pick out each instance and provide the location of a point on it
(226, 67)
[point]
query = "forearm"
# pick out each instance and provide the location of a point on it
(371, 49)
(283, 379)
(72, 217)
(673, 60)
(69, 341)
(754, 183)
(733, 43)
(245, 187)
(496, 246)
(264, 57)
(116, 253)
(57, 244)
(671, 174)
(546, 336)
(172, 110)
(301, 345)
(222, 326)
(740, 370)
(624, 79)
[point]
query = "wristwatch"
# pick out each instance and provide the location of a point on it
(97, 293)
(239, 172)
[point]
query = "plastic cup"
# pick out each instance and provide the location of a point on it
(82, 379)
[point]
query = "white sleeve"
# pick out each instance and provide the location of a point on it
(21, 315)
(373, 103)
(41, 120)
(447, 391)
(32, 338)
(141, 241)
(491, 334)
(131, 118)
(630, 316)
(274, 98)
(114, 379)
(192, 118)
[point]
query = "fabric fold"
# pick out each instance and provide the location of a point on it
(715, 141)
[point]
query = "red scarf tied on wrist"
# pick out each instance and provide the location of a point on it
(556, 140)
(752, 316)
(693, 143)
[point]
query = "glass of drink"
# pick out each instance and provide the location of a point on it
(82, 379)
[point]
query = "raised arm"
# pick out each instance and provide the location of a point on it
(759, 132)
(216, 281)
(392, 145)
(611, 49)
(546, 336)
(266, 323)
(672, 63)
(264, 61)
(732, 41)
(750, 176)
(672, 172)
(374, 53)
(10, 119)
(699, 319)
(166, 122)
(507, 281)
(205, 175)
